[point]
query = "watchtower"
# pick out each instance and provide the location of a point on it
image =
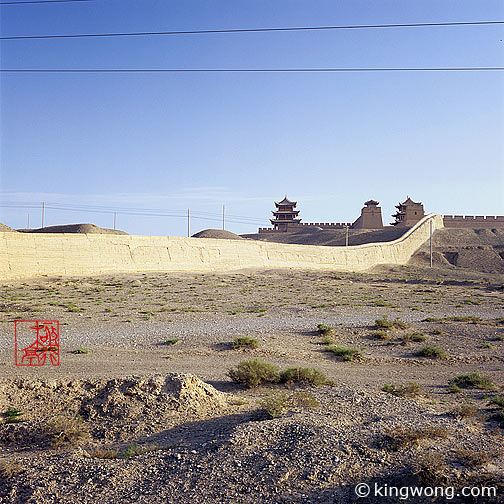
(285, 215)
(408, 213)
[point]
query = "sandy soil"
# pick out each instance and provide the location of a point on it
(216, 444)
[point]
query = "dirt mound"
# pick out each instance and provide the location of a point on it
(470, 249)
(307, 455)
(217, 233)
(330, 237)
(74, 228)
(5, 229)
(109, 407)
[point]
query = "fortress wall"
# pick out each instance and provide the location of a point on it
(25, 255)
(471, 221)
(300, 225)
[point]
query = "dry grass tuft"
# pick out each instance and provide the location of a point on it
(66, 431)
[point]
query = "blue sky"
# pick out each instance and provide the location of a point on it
(329, 141)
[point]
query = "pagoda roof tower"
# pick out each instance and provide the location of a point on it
(285, 215)
(408, 213)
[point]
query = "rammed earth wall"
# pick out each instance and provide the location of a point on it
(25, 255)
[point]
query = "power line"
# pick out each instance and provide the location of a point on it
(133, 212)
(246, 70)
(246, 30)
(42, 2)
(115, 209)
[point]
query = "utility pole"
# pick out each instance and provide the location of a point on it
(28, 221)
(43, 213)
(223, 210)
(115, 218)
(430, 242)
(346, 236)
(188, 223)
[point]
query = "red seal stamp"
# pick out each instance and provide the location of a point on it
(36, 342)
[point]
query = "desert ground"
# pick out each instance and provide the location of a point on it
(143, 407)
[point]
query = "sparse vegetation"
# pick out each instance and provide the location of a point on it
(277, 402)
(10, 468)
(416, 337)
(327, 340)
(304, 375)
(497, 401)
(171, 341)
(134, 450)
(410, 390)
(385, 323)
(433, 352)
(402, 437)
(430, 469)
(347, 353)
(81, 350)
(245, 342)
(102, 453)
(254, 372)
(325, 329)
(66, 431)
(472, 458)
(12, 415)
(475, 380)
(381, 335)
(465, 411)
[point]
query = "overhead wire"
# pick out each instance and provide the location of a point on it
(248, 30)
(139, 212)
(43, 2)
(248, 70)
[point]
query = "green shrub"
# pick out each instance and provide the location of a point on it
(171, 341)
(305, 375)
(275, 403)
(411, 389)
(417, 337)
(254, 372)
(385, 323)
(81, 350)
(245, 342)
(12, 415)
(306, 399)
(347, 353)
(134, 449)
(433, 351)
(382, 335)
(327, 340)
(324, 329)
(454, 389)
(475, 380)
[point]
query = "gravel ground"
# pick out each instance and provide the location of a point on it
(211, 440)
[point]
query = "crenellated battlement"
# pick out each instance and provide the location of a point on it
(303, 225)
(473, 221)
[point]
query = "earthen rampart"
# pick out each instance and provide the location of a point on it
(26, 255)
